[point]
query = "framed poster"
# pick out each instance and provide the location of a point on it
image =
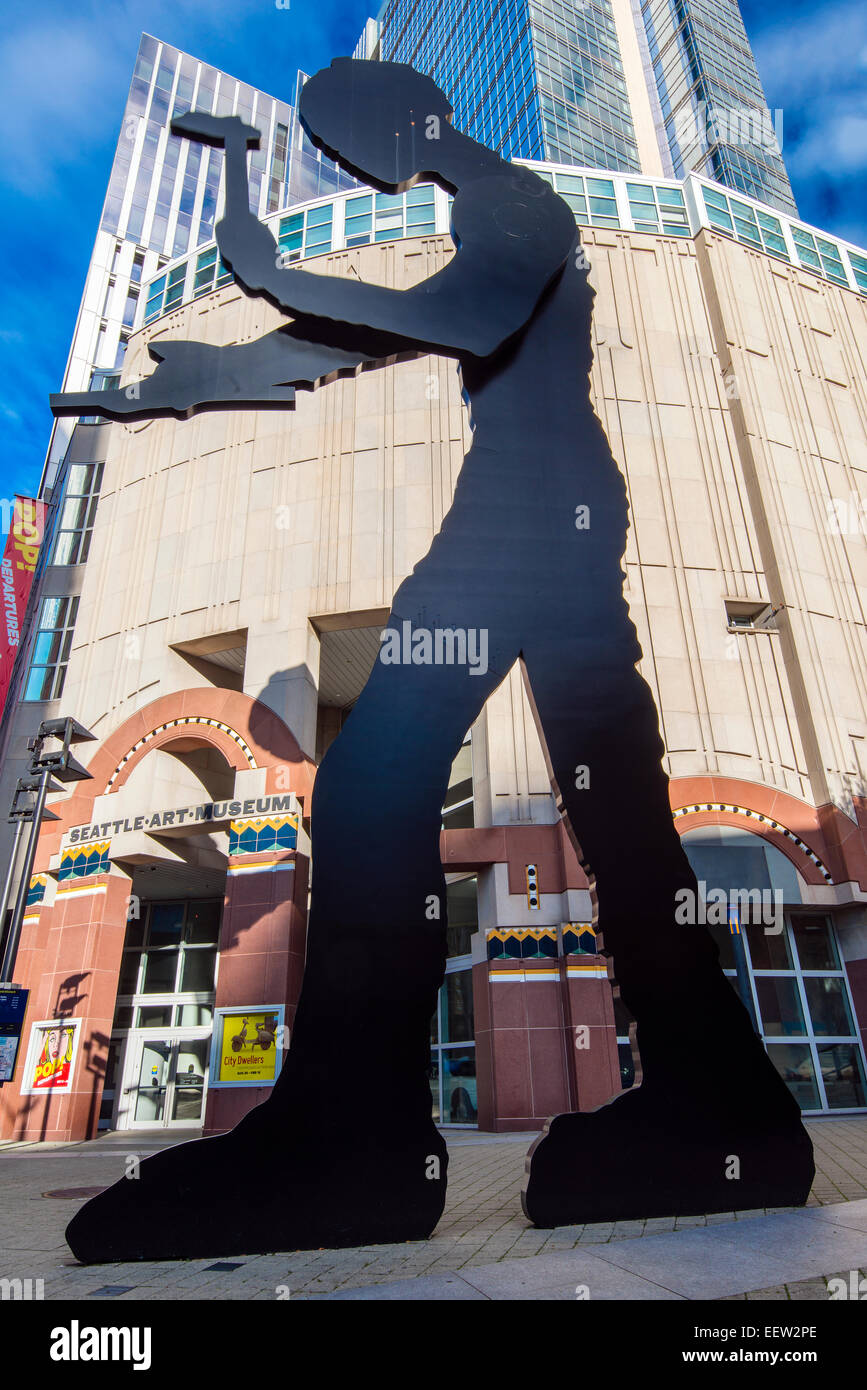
(13, 1006)
(247, 1045)
(51, 1056)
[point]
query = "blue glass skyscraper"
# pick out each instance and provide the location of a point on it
(532, 80)
(667, 86)
(715, 118)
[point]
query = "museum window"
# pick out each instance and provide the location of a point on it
(291, 237)
(207, 266)
(801, 1002)
(859, 270)
(77, 516)
(749, 615)
(175, 286)
(53, 639)
(317, 236)
(452, 1037)
(358, 220)
(653, 207)
(154, 302)
(457, 813)
(171, 951)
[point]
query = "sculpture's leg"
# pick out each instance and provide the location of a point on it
(351, 1155)
(712, 1127)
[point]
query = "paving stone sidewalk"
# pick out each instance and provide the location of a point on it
(482, 1229)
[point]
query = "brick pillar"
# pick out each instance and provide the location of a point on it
(521, 1059)
(70, 960)
(590, 1033)
(528, 1011)
(262, 946)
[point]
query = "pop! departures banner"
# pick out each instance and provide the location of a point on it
(17, 569)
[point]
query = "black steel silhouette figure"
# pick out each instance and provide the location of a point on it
(513, 306)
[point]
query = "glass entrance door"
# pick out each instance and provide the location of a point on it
(168, 1083)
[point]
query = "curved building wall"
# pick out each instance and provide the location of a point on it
(251, 557)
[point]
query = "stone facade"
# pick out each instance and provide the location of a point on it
(733, 391)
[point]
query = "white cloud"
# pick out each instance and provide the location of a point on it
(818, 52)
(836, 145)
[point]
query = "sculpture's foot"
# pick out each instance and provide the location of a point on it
(648, 1154)
(260, 1189)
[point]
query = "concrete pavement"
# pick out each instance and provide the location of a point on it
(482, 1249)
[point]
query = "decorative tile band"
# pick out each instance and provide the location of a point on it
(532, 973)
(521, 943)
(263, 833)
(81, 890)
(523, 977)
(36, 891)
(82, 861)
(579, 939)
(266, 866)
(763, 820)
(528, 943)
(190, 719)
(591, 971)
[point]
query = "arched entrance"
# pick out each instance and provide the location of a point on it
(174, 886)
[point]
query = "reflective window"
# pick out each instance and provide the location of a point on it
(78, 513)
(654, 209)
(154, 304)
(171, 951)
(859, 270)
(453, 1051)
(317, 235)
(458, 806)
(750, 225)
(175, 286)
(51, 647)
(463, 914)
(800, 990)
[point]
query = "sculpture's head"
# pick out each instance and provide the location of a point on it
(382, 121)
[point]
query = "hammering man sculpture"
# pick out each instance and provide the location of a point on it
(513, 306)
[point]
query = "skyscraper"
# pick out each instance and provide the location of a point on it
(163, 197)
(668, 88)
(714, 114)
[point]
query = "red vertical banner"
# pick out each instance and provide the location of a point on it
(16, 575)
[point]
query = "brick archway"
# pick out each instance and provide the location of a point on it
(222, 719)
(790, 825)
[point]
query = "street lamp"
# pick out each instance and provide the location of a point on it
(45, 765)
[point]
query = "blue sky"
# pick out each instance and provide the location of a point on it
(64, 75)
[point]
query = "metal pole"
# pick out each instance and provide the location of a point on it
(10, 874)
(24, 885)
